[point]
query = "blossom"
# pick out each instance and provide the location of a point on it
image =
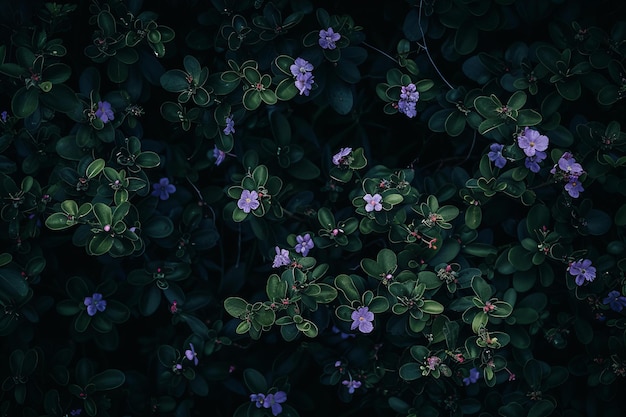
(219, 155)
(281, 258)
(362, 318)
(76, 412)
(531, 141)
(328, 38)
(408, 108)
(230, 125)
(583, 271)
(432, 362)
(373, 202)
(408, 97)
(273, 401)
(249, 200)
(300, 66)
(532, 162)
(259, 399)
(567, 163)
(95, 303)
(340, 157)
(495, 155)
(4, 116)
(574, 187)
(351, 385)
(305, 243)
(104, 112)
(163, 189)
(304, 83)
(474, 374)
(615, 300)
(191, 354)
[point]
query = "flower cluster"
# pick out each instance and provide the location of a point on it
(568, 170)
(474, 375)
(95, 303)
(408, 99)
(272, 401)
(301, 70)
(534, 145)
(352, 385)
(583, 271)
(328, 38)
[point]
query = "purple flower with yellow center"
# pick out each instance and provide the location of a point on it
(362, 319)
(531, 141)
(328, 38)
(304, 83)
(574, 187)
(352, 385)
(219, 155)
(274, 402)
(259, 399)
(249, 200)
(340, 157)
(583, 271)
(567, 163)
(230, 125)
(95, 303)
(163, 189)
(474, 375)
(495, 155)
(104, 112)
(373, 202)
(532, 162)
(305, 243)
(300, 66)
(281, 258)
(191, 354)
(615, 300)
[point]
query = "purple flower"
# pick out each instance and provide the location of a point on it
(615, 300)
(104, 112)
(340, 157)
(273, 401)
(328, 38)
(362, 318)
(300, 67)
(191, 354)
(219, 155)
(4, 116)
(408, 108)
(230, 125)
(163, 189)
(532, 141)
(409, 93)
(281, 258)
(495, 155)
(567, 163)
(583, 271)
(373, 202)
(304, 83)
(76, 412)
(474, 375)
(95, 303)
(574, 187)
(258, 398)
(351, 385)
(305, 243)
(532, 162)
(249, 200)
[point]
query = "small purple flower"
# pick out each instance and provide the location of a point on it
(104, 112)
(362, 318)
(274, 402)
(300, 66)
(76, 412)
(340, 158)
(4, 116)
(191, 354)
(328, 38)
(532, 162)
(495, 155)
(574, 187)
(373, 202)
(567, 163)
(583, 271)
(615, 300)
(281, 258)
(249, 200)
(259, 399)
(531, 141)
(433, 362)
(474, 375)
(230, 125)
(219, 155)
(407, 108)
(305, 243)
(352, 385)
(409, 93)
(95, 303)
(163, 189)
(304, 83)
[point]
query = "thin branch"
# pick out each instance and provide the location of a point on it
(425, 47)
(380, 52)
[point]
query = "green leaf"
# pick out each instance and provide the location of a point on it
(339, 96)
(326, 218)
(254, 380)
(481, 288)
(108, 380)
(236, 307)
(542, 408)
(251, 99)
(345, 284)
(410, 371)
(12, 282)
(158, 227)
(25, 102)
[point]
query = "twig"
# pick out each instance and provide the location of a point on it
(425, 47)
